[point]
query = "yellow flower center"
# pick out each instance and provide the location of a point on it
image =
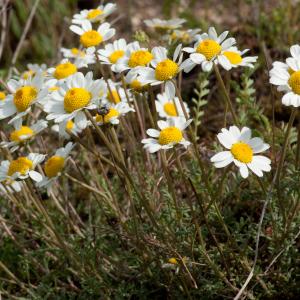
(76, 98)
(21, 165)
(91, 38)
(113, 97)
(139, 58)
(233, 57)
(70, 125)
(64, 70)
(77, 52)
(209, 48)
(166, 70)
(137, 86)
(173, 261)
(115, 56)
(24, 96)
(170, 135)
(242, 152)
(54, 165)
(106, 118)
(2, 96)
(94, 13)
(16, 135)
(294, 82)
(28, 74)
(170, 109)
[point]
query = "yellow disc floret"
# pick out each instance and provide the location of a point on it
(27, 74)
(137, 86)
(294, 82)
(64, 70)
(106, 118)
(94, 13)
(113, 97)
(76, 98)
(54, 165)
(209, 48)
(69, 125)
(24, 96)
(77, 52)
(139, 58)
(2, 96)
(242, 152)
(116, 55)
(21, 165)
(233, 57)
(166, 70)
(170, 109)
(23, 133)
(91, 38)
(170, 135)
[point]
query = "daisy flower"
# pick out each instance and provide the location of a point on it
(286, 76)
(112, 53)
(63, 70)
(111, 114)
(133, 83)
(25, 92)
(207, 50)
(90, 37)
(242, 149)
(54, 166)
(96, 14)
(164, 69)
(82, 58)
(184, 36)
(233, 58)
(23, 133)
(63, 127)
(170, 134)
(164, 25)
(32, 69)
(168, 106)
(20, 169)
(135, 56)
(114, 93)
(77, 93)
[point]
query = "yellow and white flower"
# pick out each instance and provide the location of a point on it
(184, 36)
(241, 151)
(112, 53)
(63, 128)
(233, 58)
(110, 114)
(286, 76)
(164, 25)
(32, 69)
(133, 83)
(168, 106)
(25, 93)
(113, 93)
(94, 15)
(77, 93)
(54, 166)
(19, 169)
(207, 50)
(23, 133)
(82, 58)
(163, 68)
(135, 56)
(90, 37)
(170, 134)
